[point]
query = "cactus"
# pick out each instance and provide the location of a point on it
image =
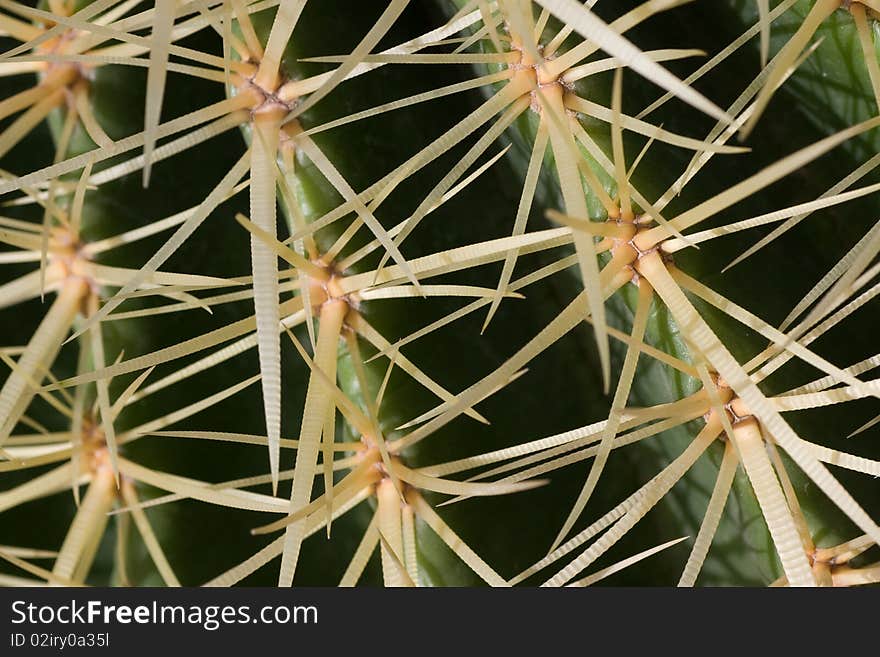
(455, 292)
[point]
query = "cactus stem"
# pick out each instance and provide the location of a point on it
(535, 76)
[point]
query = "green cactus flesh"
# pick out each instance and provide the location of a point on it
(491, 212)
